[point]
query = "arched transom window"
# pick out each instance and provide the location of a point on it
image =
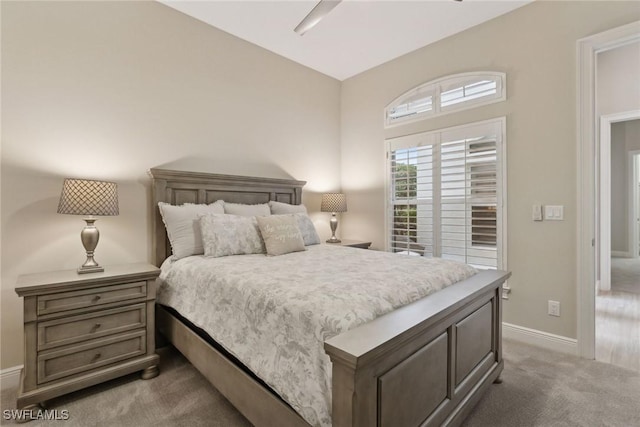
(446, 95)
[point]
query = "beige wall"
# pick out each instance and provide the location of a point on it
(618, 83)
(536, 47)
(110, 89)
(625, 137)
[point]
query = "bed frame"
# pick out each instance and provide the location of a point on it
(427, 363)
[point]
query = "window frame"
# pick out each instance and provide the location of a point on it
(431, 137)
(435, 87)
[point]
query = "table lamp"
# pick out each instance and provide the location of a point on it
(88, 197)
(333, 202)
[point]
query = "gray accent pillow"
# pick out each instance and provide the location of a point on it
(224, 235)
(307, 229)
(183, 226)
(241, 209)
(279, 208)
(281, 234)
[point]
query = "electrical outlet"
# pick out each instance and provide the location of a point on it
(554, 308)
(506, 290)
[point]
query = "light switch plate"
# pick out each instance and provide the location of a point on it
(553, 308)
(536, 213)
(554, 212)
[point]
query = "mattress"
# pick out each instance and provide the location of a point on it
(274, 313)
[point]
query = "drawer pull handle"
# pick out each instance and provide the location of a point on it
(96, 357)
(95, 327)
(96, 298)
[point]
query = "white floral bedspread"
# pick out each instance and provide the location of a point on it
(274, 313)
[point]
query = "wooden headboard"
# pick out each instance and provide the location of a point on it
(179, 187)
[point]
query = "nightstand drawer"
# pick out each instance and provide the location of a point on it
(64, 301)
(56, 333)
(55, 364)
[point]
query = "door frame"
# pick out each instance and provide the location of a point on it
(634, 203)
(587, 186)
(605, 195)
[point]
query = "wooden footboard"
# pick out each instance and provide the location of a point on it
(424, 364)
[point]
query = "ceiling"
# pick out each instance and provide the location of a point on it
(353, 37)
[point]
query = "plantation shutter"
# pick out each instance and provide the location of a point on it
(460, 92)
(421, 102)
(412, 223)
(445, 192)
(468, 201)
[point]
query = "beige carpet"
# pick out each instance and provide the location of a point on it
(625, 275)
(179, 396)
(540, 388)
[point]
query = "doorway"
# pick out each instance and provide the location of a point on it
(588, 240)
(618, 201)
(617, 338)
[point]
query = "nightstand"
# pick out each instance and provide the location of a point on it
(84, 329)
(353, 243)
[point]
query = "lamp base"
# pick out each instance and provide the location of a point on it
(95, 269)
(90, 236)
(334, 226)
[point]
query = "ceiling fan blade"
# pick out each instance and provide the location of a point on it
(317, 13)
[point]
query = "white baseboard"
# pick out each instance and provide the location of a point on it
(621, 254)
(10, 377)
(539, 338)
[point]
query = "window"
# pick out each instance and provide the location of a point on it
(446, 95)
(463, 92)
(446, 191)
(418, 103)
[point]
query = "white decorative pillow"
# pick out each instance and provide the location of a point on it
(307, 229)
(279, 208)
(183, 226)
(281, 234)
(241, 209)
(224, 235)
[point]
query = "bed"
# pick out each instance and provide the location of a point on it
(426, 363)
